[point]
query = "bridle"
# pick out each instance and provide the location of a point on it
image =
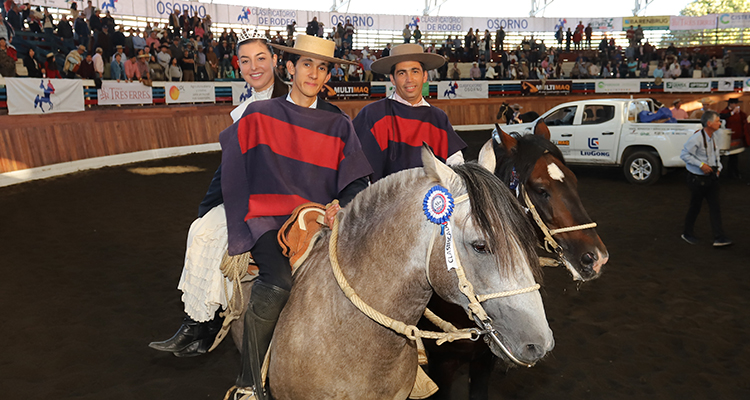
(476, 311)
(550, 244)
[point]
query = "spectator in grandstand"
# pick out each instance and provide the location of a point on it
(417, 34)
(474, 72)
(337, 73)
(643, 71)
(131, 69)
(139, 42)
(14, 18)
(593, 70)
(736, 121)
(674, 70)
(638, 34)
(366, 67)
(188, 66)
(104, 41)
(578, 37)
(88, 12)
(455, 73)
(74, 10)
(707, 71)
(33, 68)
(86, 69)
(200, 64)
(98, 60)
(151, 38)
(50, 67)
(73, 61)
(108, 21)
(5, 29)
(174, 73)
(175, 50)
(212, 63)
(630, 35)
(312, 27)
(632, 66)
(587, 32)
(677, 111)
(164, 57)
(34, 21)
(121, 51)
(7, 60)
(406, 33)
(568, 38)
(500, 40)
(65, 31)
(144, 71)
(685, 68)
(82, 31)
(174, 22)
(386, 51)
(156, 70)
(48, 25)
(607, 70)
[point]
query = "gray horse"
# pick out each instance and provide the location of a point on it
(395, 259)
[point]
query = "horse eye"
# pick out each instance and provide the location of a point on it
(480, 247)
(544, 193)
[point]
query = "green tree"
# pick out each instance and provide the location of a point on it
(703, 7)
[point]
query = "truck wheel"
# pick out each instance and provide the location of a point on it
(642, 168)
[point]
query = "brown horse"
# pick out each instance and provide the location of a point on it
(395, 258)
(528, 164)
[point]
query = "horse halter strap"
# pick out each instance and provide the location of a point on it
(549, 243)
(477, 312)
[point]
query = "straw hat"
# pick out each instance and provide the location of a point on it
(315, 47)
(50, 55)
(706, 100)
(674, 103)
(407, 52)
(82, 47)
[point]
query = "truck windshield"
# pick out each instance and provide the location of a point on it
(563, 116)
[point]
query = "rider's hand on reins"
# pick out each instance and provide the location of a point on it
(331, 209)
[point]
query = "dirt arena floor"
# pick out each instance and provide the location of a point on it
(90, 264)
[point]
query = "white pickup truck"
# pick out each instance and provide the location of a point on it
(607, 132)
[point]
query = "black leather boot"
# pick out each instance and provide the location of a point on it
(200, 346)
(191, 333)
(266, 303)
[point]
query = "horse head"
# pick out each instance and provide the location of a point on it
(536, 170)
(486, 264)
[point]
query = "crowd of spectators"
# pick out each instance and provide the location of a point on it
(186, 49)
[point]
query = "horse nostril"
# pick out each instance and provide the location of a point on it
(588, 259)
(534, 352)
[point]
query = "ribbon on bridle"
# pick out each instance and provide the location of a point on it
(442, 206)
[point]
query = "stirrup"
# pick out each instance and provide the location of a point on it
(240, 393)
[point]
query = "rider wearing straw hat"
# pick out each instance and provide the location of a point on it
(392, 130)
(282, 153)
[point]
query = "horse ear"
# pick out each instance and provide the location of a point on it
(508, 141)
(541, 129)
(487, 156)
(434, 168)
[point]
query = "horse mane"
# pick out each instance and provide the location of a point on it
(528, 150)
(499, 217)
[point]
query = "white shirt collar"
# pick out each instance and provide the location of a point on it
(263, 94)
(421, 103)
(313, 105)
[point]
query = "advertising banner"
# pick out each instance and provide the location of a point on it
(241, 91)
(618, 86)
(683, 23)
(43, 96)
(597, 24)
(738, 20)
(687, 85)
(647, 23)
(725, 84)
(118, 93)
(547, 87)
(746, 86)
(189, 92)
(463, 89)
(341, 90)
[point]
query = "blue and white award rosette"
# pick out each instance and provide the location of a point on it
(438, 207)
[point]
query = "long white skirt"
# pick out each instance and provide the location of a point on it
(202, 282)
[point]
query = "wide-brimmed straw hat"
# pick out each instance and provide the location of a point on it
(315, 47)
(407, 52)
(706, 100)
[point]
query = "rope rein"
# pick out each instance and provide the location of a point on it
(451, 333)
